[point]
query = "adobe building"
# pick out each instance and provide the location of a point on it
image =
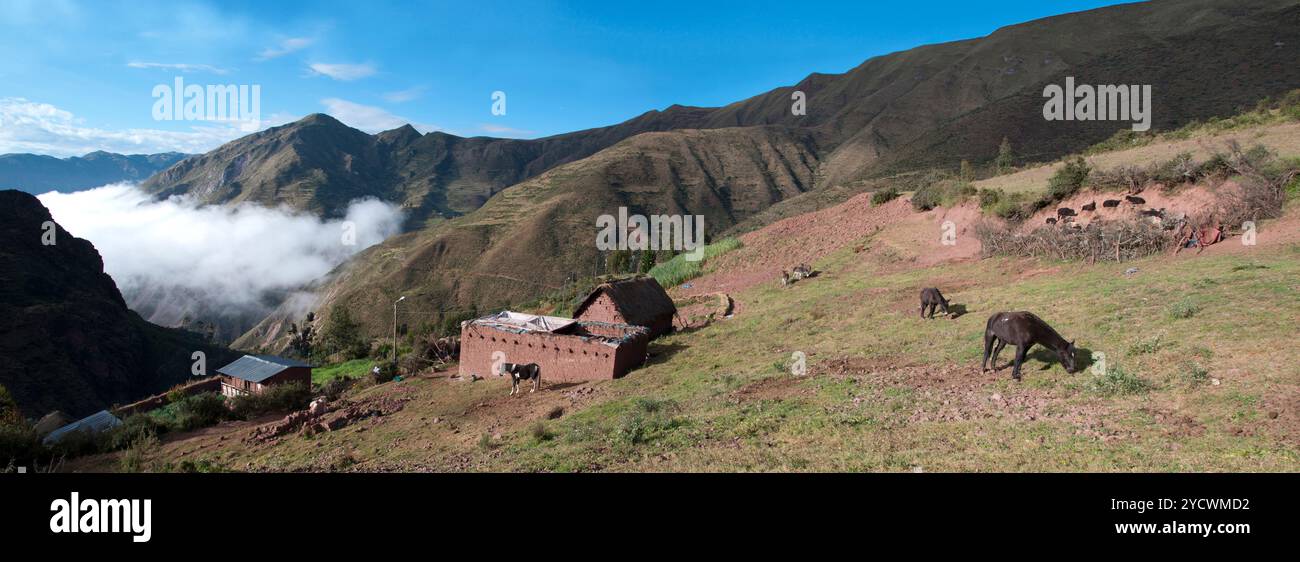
(252, 374)
(567, 350)
(638, 301)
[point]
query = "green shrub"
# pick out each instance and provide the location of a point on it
(9, 412)
(1009, 206)
(201, 410)
(647, 420)
(1193, 374)
(334, 388)
(1183, 309)
(275, 399)
(1068, 179)
(1147, 346)
(133, 460)
(80, 443)
(990, 197)
(942, 193)
(134, 428)
(19, 446)
(885, 195)
(342, 336)
(1118, 382)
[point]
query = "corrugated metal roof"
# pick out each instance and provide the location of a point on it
(257, 368)
(526, 322)
(94, 423)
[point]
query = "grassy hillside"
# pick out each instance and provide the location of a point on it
(1198, 378)
(531, 237)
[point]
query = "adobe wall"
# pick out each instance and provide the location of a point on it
(603, 310)
(210, 384)
(289, 376)
(563, 358)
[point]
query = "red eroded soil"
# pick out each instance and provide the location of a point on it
(1191, 201)
(894, 229)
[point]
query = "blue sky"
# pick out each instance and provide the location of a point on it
(78, 76)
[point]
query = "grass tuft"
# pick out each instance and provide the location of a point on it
(1118, 382)
(1183, 309)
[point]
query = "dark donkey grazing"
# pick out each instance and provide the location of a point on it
(1023, 330)
(518, 371)
(932, 298)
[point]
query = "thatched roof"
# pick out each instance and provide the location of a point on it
(641, 300)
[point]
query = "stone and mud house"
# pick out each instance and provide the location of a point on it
(638, 301)
(252, 374)
(567, 350)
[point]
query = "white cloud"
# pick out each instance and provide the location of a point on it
(369, 118)
(178, 67)
(506, 131)
(345, 72)
(229, 258)
(290, 45)
(404, 95)
(27, 126)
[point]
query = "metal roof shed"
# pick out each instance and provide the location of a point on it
(94, 423)
(258, 368)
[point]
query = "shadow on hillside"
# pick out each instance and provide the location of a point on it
(955, 311)
(662, 352)
(1083, 358)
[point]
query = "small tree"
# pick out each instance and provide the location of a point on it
(302, 340)
(9, 413)
(967, 172)
(619, 261)
(342, 335)
(1006, 159)
(1068, 179)
(647, 261)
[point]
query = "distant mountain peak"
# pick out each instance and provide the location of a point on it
(319, 119)
(35, 173)
(405, 133)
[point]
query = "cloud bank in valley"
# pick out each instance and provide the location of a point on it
(240, 260)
